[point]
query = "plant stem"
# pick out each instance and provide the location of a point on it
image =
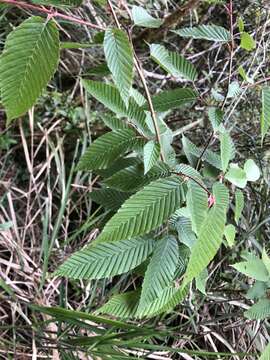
(193, 179)
(51, 13)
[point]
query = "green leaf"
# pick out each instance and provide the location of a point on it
(229, 233)
(160, 271)
(141, 18)
(60, 3)
(174, 63)
(107, 259)
(119, 57)
(110, 97)
(236, 176)
(145, 210)
(253, 268)
(259, 311)
(210, 235)
(114, 123)
(266, 353)
(265, 117)
(239, 205)
(27, 64)
(197, 203)
(227, 149)
(123, 306)
(241, 24)
(167, 100)
(206, 32)
(185, 233)
(107, 148)
(252, 170)
(151, 153)
(215, 116)
(266, 260)
(247, 41)
(234, 90)
(201, 281)
(111, 199)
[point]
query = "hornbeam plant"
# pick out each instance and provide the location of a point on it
(168, 219)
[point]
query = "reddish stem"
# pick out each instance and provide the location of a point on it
(51, 13)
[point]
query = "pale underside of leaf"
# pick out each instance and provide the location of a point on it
(206, 32)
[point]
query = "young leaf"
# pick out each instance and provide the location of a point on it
(252, 171)
(174, 63)
(123, 306)
(206, 32)
(160, 271)
(142, 18)
(119, 58)
(265, 117)
(145, 210)
(236, 176)
(197, 203)
(247, 41)
(239, 205)
(107, 259)
(266, 353)
(227, 149)
(259, 311)
(210, 235)
(167, 100)
(151, 153)
(27, 64)
(107, 148)
(253, 268)
(229, 233)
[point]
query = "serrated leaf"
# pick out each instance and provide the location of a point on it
(145, 210)
(236, 176)
(247, 42)
(252, 170)
(215, 116)
(160, 271)
(60, 3)
(151, 152)
(201, 281)
(234, 90)
(257, 291)
(189, 172)
(107, 148)
(117, 165)
(210, 234)
(229, 233)
(27, 64)
(253, 268)
(185, 234)
(123, 306)
(174, 63)
(265, 116)
(206, 32)
(107, 259)
(266, 260)
(266, 353)
(227, 149)
(197, 203)
(259, 311)
(119, 57)
(170, 99)
(239, 205)
(110, 199)
(141, 18)
(114, 123)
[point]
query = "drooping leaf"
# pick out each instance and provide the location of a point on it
(107, 259)
(151, 153)
(197, 203)
(229, 233)
(266, 353)
(259, 311)
(119, 57)
(239, 205)
(236, 176)
(123, 306)
(145, 210)
(107, 148)
(142, 18)
(252, 170)
(247, 41)
(210, 234)
(206, 32)
(253, 268)
(111, 199)
(160, 271)
(174, 63)
(27, 64)
(227, 149)
(215, 116)
(170, 99)
(265, 116)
